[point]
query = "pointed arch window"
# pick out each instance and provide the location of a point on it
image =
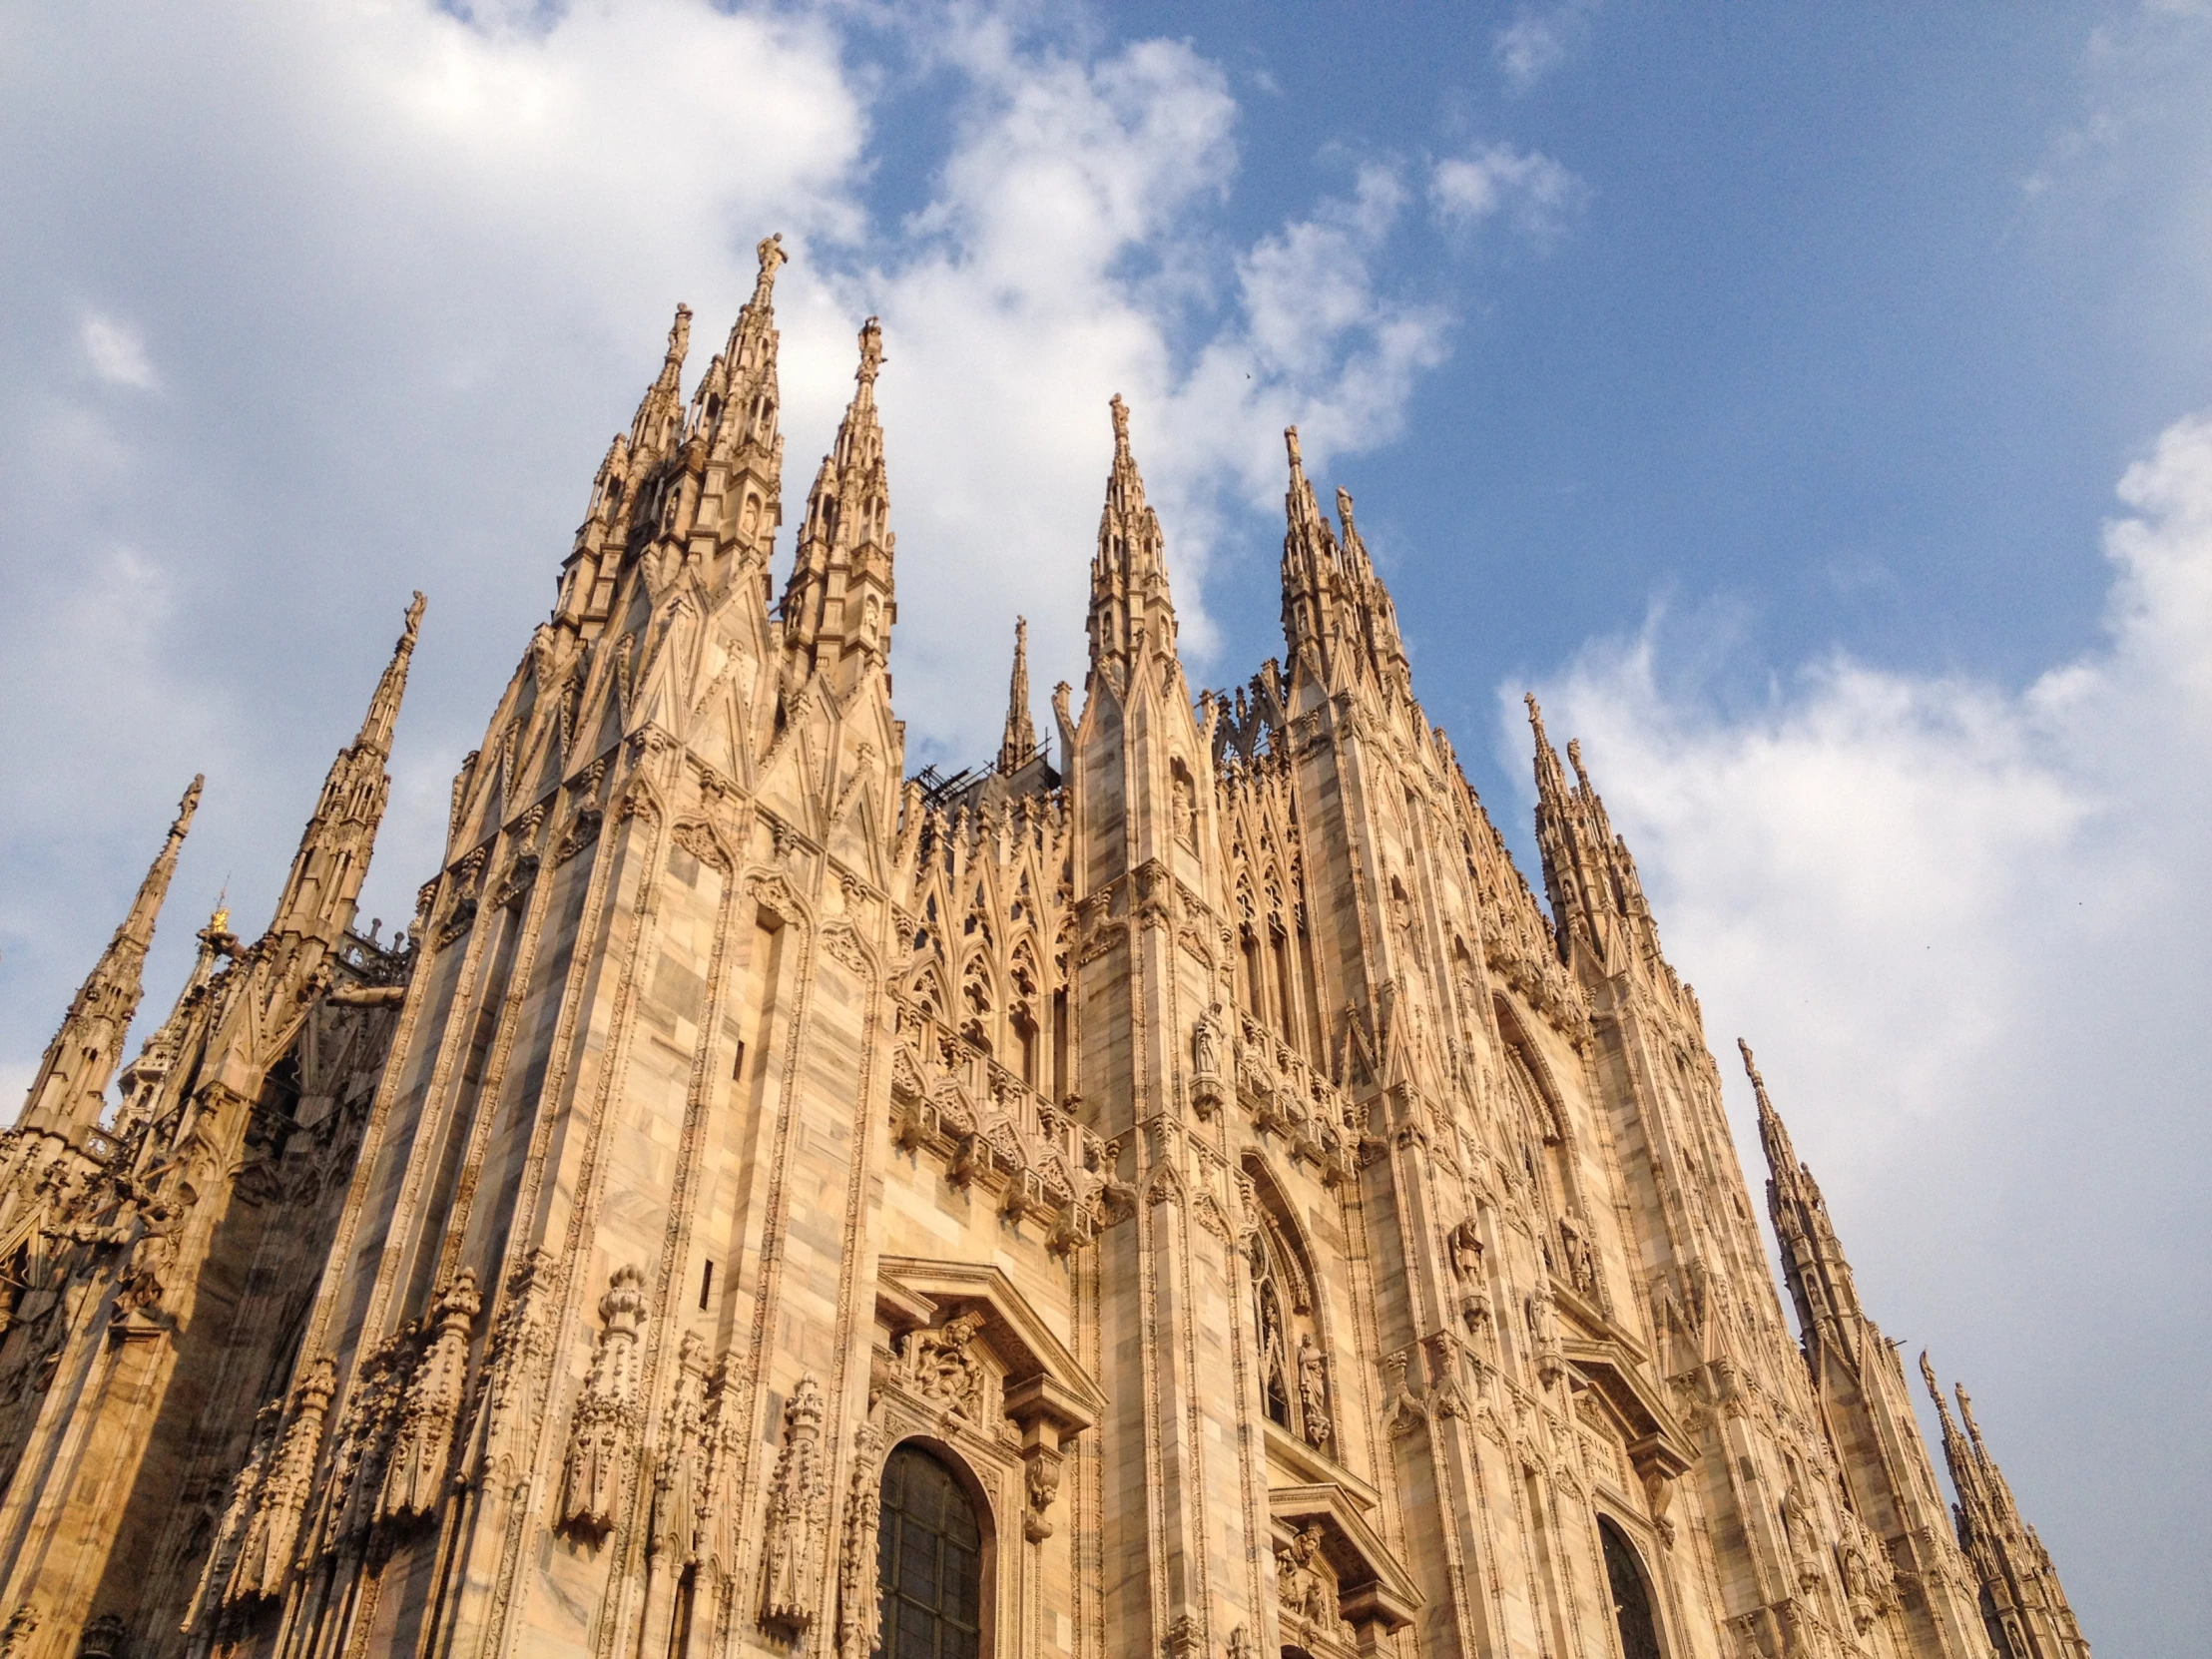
(1293, 1357)
(1631, 1589)
(929, 1560)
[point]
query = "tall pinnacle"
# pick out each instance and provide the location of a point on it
(659, 420)
(327, 870)
(68, 1093)
(1130, 601)
(743, 491)
(1021, 741)
(1813, 1260)
(1772, 1136)
(838, 605)
(1312, 601)
(384, 707)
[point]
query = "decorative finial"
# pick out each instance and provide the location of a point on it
(871, 351)
(1751, 1066)
(415, 622)
(1289, 442)
(679, 333)
(1935, 1389)
(1343, 511)
(1120, 411)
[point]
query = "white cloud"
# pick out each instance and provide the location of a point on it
(118, 353)
(1536, 195)
(1964, 925)
(1538, 40)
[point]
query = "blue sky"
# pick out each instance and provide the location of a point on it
(1808, 402)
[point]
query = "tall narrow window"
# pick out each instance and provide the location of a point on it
(1624, 1575)
(930, 1562)
(1059, 1045)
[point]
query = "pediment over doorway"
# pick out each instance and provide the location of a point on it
(1044, 1381)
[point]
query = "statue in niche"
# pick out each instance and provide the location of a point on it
(1581, 1264)
(1466, 1254)
(1186, 808)
(1273, 1383)
(1205, 1047)
(1312, 1392)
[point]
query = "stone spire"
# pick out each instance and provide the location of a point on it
(1377, 613)
(2021, 1599)
(838, 605)
(659, 423)
(1596, 896)
(326, 872)
(1130, 601)
(1021, 741)
(1337, 616)
(1312, 572)
(745, 446)
(1813, 1260)
(68, 1093)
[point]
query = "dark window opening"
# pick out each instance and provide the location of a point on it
(930, 1562)
(1631, 1595)
(705, 1284)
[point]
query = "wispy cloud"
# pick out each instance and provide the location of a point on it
(1535, 194)
(117, 354)
(1541, 39)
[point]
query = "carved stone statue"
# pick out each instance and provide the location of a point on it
(1312, 1392)
(941, 1368)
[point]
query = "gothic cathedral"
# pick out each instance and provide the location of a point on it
(1173, 1192)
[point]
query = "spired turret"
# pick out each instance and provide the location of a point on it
(838, 605)
(1339, 624)
(1132, 615)
(1019, 744)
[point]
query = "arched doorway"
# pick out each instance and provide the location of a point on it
(929, 1560)
(1632, 1613)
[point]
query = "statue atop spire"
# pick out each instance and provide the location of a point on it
(771, 255)
(1019, 744)
(68, 1092)
(871, 354)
